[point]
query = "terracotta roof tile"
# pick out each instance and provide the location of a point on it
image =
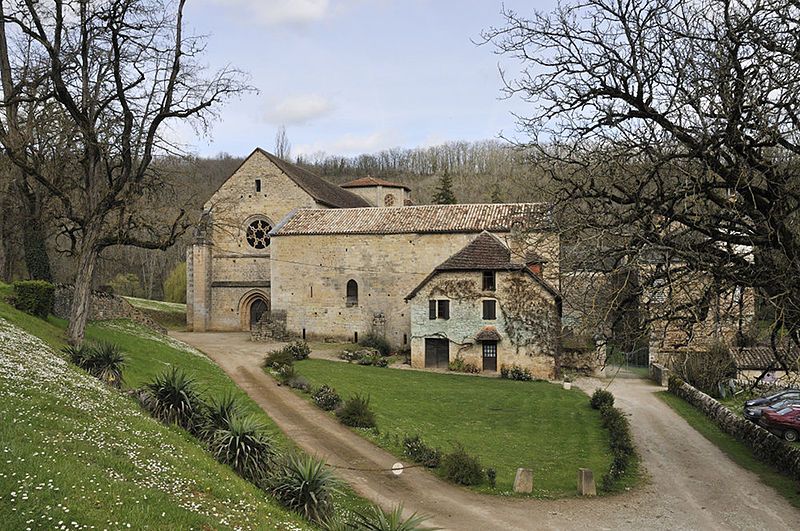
(422, 219)
(761, 358)
(486, 252)
(321, 190)
(489, 333)
(372, 181)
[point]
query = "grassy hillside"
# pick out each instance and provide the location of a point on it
(171, 315)
(74, 450)
(76, 453)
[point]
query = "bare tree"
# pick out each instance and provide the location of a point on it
(671, 130)
(283, 149)
(90, 90)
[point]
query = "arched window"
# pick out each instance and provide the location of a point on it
(352, 293)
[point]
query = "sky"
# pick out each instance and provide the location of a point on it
(357, 76)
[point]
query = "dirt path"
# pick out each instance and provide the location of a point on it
(693, 485)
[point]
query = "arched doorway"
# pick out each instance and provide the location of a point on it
(257, 308)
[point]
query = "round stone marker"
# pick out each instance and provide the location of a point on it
(397, 469)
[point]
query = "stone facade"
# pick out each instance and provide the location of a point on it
(103, 306)
(382, 195)
(527, 320)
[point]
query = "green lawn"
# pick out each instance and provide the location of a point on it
(92, 451)
(508, 424)
(738, 452)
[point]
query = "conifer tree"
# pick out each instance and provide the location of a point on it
(444, 194)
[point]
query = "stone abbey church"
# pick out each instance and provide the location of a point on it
(279, 245)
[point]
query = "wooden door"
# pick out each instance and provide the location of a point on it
(437, 353)
(490, 355)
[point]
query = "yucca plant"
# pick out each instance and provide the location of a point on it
(77, 354)
(376, 519)
(217, 415)
(172, 398)
(105, 362)
(306, 485)
(243, 445)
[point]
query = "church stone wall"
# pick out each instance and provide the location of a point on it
(376, 195)
(527, 320)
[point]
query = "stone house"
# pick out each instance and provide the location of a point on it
(488, 308)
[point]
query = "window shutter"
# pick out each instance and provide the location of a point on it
(431, 309)
(444, 309)
(490, 309)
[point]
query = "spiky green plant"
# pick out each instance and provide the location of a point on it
(306, 485)
(376, 519)
(77, 354)
(216, 415)
(106, 362)
(356, 412)
(172, 398)
(242, 443)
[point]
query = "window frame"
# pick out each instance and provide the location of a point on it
(489, 304)
(438, 309)
(489, 281)
(351, 296)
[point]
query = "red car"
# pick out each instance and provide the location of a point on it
(784, 422)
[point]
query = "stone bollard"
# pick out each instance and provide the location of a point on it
(586, 482)
(523, 481)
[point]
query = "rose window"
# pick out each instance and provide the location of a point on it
(388, 200)
(258, 234)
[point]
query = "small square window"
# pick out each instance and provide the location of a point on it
(444, 309)
(490, 309)
(258, 185)
(489, 281)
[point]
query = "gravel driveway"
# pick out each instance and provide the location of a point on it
(692, 485)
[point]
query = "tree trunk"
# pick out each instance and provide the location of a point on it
(82, 294)
(33, 235)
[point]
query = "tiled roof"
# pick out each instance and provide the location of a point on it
(486, 252)
(464, 218)
(489, 333)
(761, 358)
(372, 181)
(321, 190)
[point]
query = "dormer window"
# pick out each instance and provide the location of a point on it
(258, 185)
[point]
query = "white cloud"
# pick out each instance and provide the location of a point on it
(350, 144)
(297, 110)
(276, 12)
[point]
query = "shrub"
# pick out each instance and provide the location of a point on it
(373, 359)
(516, 372)
(304, 484)
(172, 398)
(286, 373)
(217, 415)
(376, 519)
(326, 398)
(34, 297)
(491, 475)
(460, 467)
(299, 350)
(356, 413)
(622, 447)
(418, 451)
(705, 370)
(601, 398)
(376, 342)
(241, 442)
(277, 359)
(298, 382)
(459, 365)
(104, 361)
(175, 284)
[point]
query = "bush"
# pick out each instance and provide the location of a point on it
(376, 519)
(172, 398)
(326, 398)
(460, 467)
(491, 475)
(515, 372)
(601, 398)
(241, 442)
(34, 297)
(298, 382)
(374, 359)
(217, 415)
(104, 361)
(356, 413)
(175, 284)
(376, 342)
(622, 447)
(459, 365)
(705, 370)
(418, 451)
(278, 359)
(299, 350)
(305, 485)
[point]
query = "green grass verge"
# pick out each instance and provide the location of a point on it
(170, 315)
(108, 489)
(738, 452)
(508, 424)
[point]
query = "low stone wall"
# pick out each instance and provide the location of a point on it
(766, 446)
(271, 327)
(103, 306)
(659, 374)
